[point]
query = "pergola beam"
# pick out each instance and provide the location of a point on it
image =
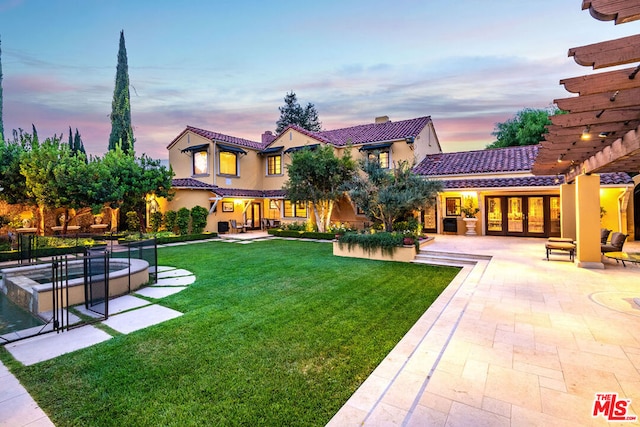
(608, 81)
(620, 51)
(620, 11)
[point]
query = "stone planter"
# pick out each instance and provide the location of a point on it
(400, 254)
(471, 226)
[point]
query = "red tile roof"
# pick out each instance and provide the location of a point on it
(465, 164)
(219, 137)
(510, 159)
(191, 184)
(372, 132)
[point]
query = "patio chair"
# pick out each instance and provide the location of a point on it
(616, 243)
(604, 235)
(235, 228)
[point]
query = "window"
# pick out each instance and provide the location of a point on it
(274, 165)
(381, 156)
(453, 206)
(228, 164)
(295, 210)
(200, 162)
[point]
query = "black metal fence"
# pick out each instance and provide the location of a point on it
(95, 269)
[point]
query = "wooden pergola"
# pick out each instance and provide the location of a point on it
(601, 130)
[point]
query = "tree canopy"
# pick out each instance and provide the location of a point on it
(527, 127)
(389, 195)
(121, 130)
(50, 174)
(319, 177)
(293, 114)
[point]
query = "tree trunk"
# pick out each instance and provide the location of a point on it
(40, 225)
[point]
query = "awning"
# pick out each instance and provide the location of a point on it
(230, 149)
(294, 149)
(191, 149)
(374, 147)
(271, 150)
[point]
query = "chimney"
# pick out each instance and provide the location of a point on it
(382, 119)
(268, 137)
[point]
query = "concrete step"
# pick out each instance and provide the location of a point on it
(449, 258)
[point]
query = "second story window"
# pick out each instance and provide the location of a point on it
(201, 162)
(382, 157)
(274, 165)
(228, 164)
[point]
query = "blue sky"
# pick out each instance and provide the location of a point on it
(227, 66)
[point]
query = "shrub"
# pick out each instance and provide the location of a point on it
(182, 221)
(387, 242)
(170, 218)
(156, 221)
(198, 219)
(133, 221)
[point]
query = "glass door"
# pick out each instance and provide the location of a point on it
(494, 215)
(554, 216)
(535, 215)
(515, 216)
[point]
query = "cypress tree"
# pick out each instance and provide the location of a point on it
(121, 130)
(78, 145)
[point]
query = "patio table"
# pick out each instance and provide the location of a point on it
(624, 256)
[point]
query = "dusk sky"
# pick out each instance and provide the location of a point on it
(227, 66)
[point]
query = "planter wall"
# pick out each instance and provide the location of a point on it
(400, 254)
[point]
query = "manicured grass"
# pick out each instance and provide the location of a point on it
(274, 333)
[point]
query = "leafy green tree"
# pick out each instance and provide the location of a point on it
(121, 130)
(12, 182)
(38, 165)
(293, 114)
(386, 196)
(319, 177)
(133, 178)
(527, 127)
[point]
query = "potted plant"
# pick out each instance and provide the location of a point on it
(470, 211)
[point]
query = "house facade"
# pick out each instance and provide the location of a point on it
(511, 200)
(241, 180)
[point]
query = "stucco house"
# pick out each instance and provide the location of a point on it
(512, 201)
(241, 180)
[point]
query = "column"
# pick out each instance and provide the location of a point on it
(587, 195)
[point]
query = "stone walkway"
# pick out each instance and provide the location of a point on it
(513, 341)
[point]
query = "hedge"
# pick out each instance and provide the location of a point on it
(301, 234)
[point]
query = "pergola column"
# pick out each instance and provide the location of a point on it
(587, 196)
(568, 211)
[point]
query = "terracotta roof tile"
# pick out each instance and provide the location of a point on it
(510, 159)
(191, 183)
(375, 132)
(219, 137)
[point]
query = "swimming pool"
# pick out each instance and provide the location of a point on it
(14, 318)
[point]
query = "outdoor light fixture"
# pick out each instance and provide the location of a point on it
(603, 134)
(557, 180)
(560, 158)
(585, 134)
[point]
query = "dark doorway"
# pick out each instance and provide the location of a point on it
(636, 212)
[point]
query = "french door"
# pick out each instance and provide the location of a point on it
(532, 216)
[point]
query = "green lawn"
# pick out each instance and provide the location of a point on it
(274, 333)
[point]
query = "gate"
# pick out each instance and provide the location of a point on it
(96, 282)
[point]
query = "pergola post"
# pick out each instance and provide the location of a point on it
(568, 211)
(587, 196)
